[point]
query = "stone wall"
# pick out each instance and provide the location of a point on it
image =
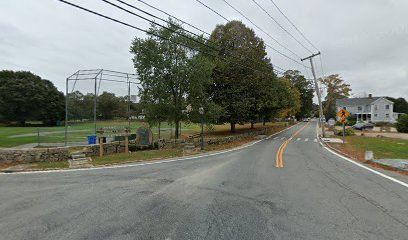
(108, 148)
(34, 155)
(171, 143)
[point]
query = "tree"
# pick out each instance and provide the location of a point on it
(240, 78)
(25, 96)
(165, 68)
(336, 89)
(400, 104)
(305, 89)
(109, 106)
(288, 97)
(80, 106)
(402, 124)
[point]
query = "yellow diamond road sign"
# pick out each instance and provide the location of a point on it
(343, 114)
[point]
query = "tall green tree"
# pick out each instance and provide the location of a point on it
(336, 89)
(165, 68)
(25, 96)
(289, 98)
(243, 73)
(109, 106)
(305, 89)
(400, 104)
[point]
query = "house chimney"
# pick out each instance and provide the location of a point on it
(370, 96)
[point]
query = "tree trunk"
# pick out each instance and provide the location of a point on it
(176, 132)
(232, 127)
(252, 125)
(159, 130)
(264, 122)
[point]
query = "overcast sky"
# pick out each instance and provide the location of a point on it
(365, 41)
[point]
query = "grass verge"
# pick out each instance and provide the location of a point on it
(383, 148)
(137, 156)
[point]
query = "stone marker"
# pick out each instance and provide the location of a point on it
(369, 155)
(144, 136)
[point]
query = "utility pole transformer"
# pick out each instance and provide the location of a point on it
(317, 90)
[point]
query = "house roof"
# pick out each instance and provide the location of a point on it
(356, 101)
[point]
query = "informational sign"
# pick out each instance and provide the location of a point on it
(343, 120)
(343, 114)
(113, 131)
(144, 136)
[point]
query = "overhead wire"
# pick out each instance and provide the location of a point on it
(260, 29)
(151, 33)
(294, 26)
(172, 16)
(284, 29)
(146, 19)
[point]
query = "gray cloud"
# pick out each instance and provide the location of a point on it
(363, 41)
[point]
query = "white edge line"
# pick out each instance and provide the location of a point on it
(148, 163)
(361, 165)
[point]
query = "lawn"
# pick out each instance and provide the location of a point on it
(383, 148)
(79, 132)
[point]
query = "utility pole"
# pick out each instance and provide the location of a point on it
(317, 90)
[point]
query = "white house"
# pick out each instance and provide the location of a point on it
(369, 109)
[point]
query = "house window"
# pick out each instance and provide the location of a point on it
(387, 106)
(375, 115)
(345, 108)
(359, 108)
(375, 107)
(387, 115)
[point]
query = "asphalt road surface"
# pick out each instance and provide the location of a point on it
(235, 195)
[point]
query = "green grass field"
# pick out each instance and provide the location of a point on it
(79, 132)
(383, 148)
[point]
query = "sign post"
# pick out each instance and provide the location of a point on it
(127, 140)
(343, 114)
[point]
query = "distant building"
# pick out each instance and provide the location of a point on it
(369, 109)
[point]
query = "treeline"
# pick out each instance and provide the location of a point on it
(229, 76)
(27, 97)
(108, 106)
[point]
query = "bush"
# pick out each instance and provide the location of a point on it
(402, 124)
(135, 148)
(349, 132)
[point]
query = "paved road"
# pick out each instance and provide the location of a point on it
(236, 195)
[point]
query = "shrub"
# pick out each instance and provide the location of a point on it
(348, 132)
(402, 124)
(135, 148)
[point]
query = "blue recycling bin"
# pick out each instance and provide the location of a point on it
(92, 139)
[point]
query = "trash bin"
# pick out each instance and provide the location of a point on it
(92, 139)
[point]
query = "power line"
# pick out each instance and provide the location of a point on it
(259, 28)
(172, 16)
(297, 29)
(134, 7)
(284, 29)
(146, 19)
(151, 33)
(164, 20)
(213, 10)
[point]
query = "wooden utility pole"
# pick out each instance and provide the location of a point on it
(317, 91)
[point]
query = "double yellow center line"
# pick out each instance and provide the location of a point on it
(279, 158)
